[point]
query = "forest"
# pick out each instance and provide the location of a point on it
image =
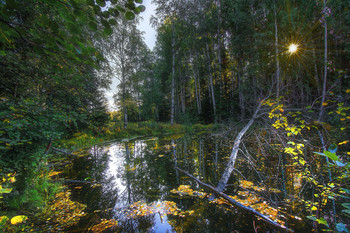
(245, 102)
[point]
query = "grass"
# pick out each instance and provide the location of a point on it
(115, 131)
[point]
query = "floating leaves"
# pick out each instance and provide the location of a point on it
(104, 225)
(186, 190)
(140, 209)
(64, 212)
(54, 173)
(251, 200)
(246, 198)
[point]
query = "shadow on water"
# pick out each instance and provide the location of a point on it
(126, 172)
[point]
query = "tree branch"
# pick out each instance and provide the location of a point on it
(236, 203)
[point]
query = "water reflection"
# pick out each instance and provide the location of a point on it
(143, 170)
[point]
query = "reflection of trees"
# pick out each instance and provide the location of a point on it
(147, 176)
(127, 171)
(92, 168)
(152, 175)
(141, 224)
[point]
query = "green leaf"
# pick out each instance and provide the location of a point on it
(3, 220)
(108, 31)
(115, 13)
(11, 4)
(322, 221)
(333, 148)
(331, 155)
(97, 10)
(313, 218)
(93, 26)
(73, 28)
(346, 211)
(341, 227)
(90, 2)
(138, 1)
(137, 10)
(130, 5)
(105, 23)
(112, 22)
(121, 9)
(6, 190)
(90, 49)
(328, 154)
(129, 15)
(346, 205)
(44, 20)
(102, 3)
(340, 164)
(142, 8)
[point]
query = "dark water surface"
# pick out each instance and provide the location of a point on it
(122, 173)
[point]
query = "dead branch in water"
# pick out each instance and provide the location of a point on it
(236, 203)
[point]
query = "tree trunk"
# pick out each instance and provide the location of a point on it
(197, 92)
(241, 97)
(211, 85)
(125, 117)
(220, 78)
(173, 75)
(230, 165)
(127, 160)
(182, 94)
(325, 62)
(276, 53)
(173, 145)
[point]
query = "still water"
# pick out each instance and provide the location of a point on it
(142, 171)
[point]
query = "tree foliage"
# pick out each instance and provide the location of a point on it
(49, 56)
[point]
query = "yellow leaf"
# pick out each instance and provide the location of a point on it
(314, 208)
(12, 179)
(344, 142)
(348, 90)
(324, 104)
(18, 219)
(3, 219)
(160, 155)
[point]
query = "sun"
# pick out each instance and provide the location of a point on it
(292, 48)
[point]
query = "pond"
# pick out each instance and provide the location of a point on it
(133, 182)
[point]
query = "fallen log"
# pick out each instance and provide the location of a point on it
(58, 164)
(73, 181)
(236, 203)
(231, 163)
(62, 151)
